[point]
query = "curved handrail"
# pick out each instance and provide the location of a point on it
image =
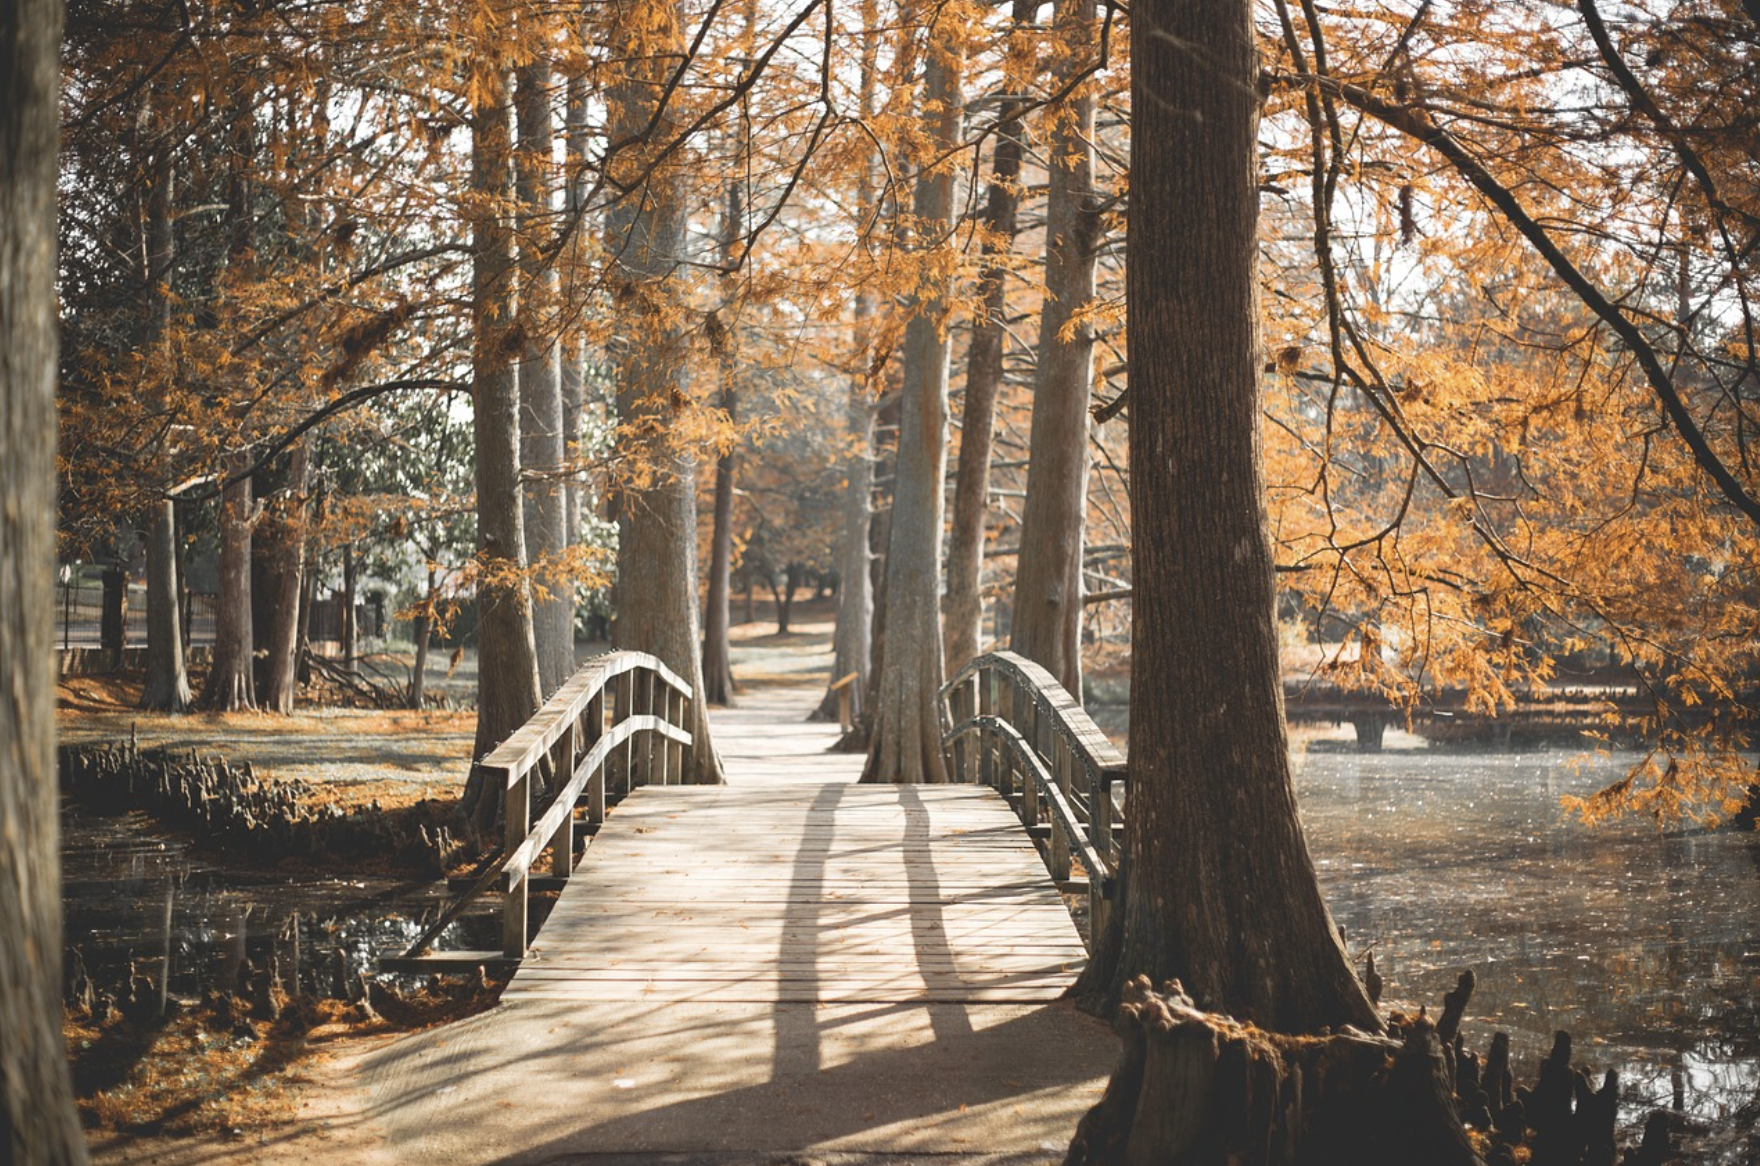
(574, 737)
(1008, 722)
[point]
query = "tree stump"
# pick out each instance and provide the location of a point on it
(1194, 1087)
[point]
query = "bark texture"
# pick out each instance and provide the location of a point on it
(852, 637)
(1218, 889)
(574, 348)
(281, 672)
(717, 652)
(1047, 623)
(718, 685)
(507, 658)
(231, 683)
(540, 389)
(167, 683)
(905, 745)
(656, 593)
(963, 622)
(37, 1121)
(1199, 1089)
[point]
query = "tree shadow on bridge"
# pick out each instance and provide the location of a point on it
(542, 1080)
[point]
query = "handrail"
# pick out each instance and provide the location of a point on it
(576, 740)
(1006, 723)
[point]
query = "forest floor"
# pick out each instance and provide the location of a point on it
(395, 757)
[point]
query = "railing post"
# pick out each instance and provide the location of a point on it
(986, 741)
(1100, 833)
(517, 818)
(659, 746)
(562, 842)
(595, 721)
(676, 704)
(956, 712)
(1060, 766)
(1027, 723)
(626, 707)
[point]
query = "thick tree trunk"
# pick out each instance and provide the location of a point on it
(1203, 1090)
(574, 348)
(963, 622)
(718, 684)
(288, 579)
(540, 390)
(1219, 890)
(113, 615)
(905, 744)
(656, 593)
(231, 685)
(507, 655)
(717, 652)
(167, 684)
(1047, 624)
(37, 1121)
(852, 637)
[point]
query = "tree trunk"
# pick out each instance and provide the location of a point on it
(717, 653)
(963, 624)
(281, 667)
(540, 391)
(113, 614)
(574, 347)
(350, 607)
(230, 685)
(718, 684)
(1047, 624)
(852, 637)
(308, 595)
(167, 685)
(507, 654)
(1203, 1090)
(37, 1121)
(1218, 889)
(423, 633)
(905, 743)
(656, 593)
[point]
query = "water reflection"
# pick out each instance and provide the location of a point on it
(134, 892)
(1645, 945)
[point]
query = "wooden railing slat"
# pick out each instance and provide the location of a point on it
(570, 734)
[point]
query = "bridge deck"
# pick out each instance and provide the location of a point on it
(807, 893)
(788, 964)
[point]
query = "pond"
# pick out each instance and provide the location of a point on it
(1643, 944)
(135, 891)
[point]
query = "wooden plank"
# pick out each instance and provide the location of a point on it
(807, 892)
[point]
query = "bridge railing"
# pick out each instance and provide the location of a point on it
(616, 724)
(1008, 724)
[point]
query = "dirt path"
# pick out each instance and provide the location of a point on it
(403, 756)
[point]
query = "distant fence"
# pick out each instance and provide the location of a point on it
(79, 611)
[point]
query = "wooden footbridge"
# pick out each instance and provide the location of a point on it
(791, 962)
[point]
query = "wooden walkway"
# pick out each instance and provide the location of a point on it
(788, 964)
(807, 894)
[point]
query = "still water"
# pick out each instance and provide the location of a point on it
(1643, 943)
(134, 891)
